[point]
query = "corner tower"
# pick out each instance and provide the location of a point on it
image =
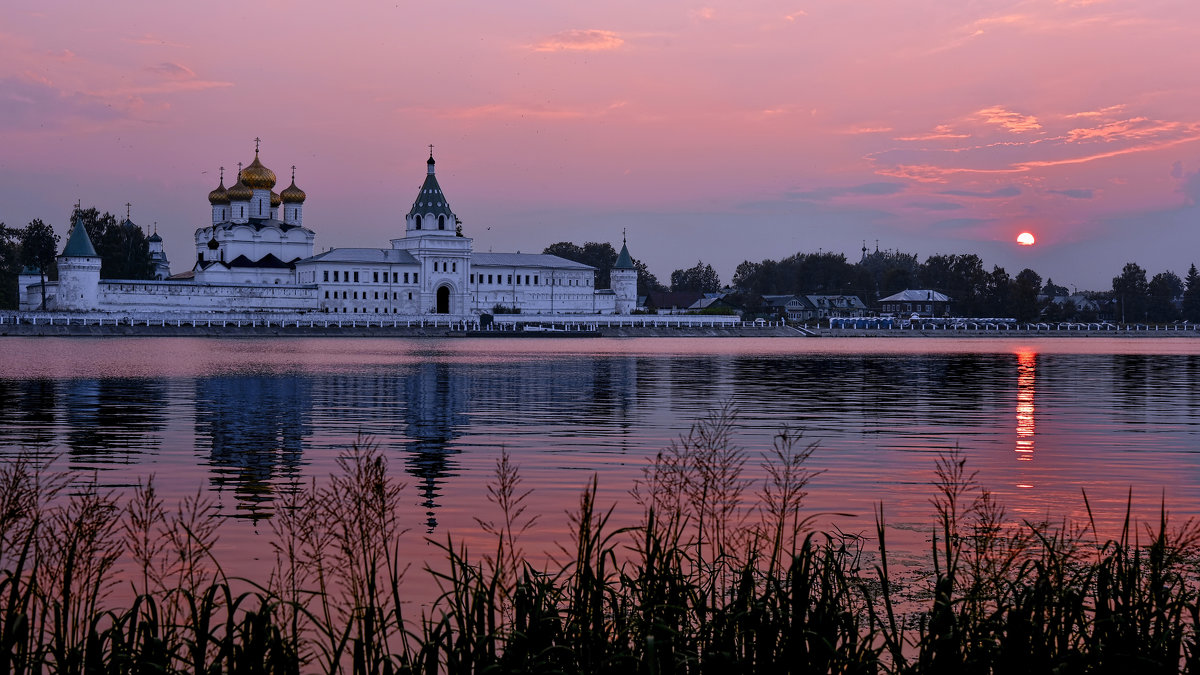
(78, 272)
(623, 281)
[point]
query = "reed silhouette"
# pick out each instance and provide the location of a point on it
(723, 573)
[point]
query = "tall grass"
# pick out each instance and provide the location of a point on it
(723, 573)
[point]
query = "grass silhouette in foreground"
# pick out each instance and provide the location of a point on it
(721, 575)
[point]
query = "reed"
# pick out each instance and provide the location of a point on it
(723, 573)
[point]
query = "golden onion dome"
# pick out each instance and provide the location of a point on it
(292, 194)
(258, 177)
(219, 196)
(276, 200)
(239, 192)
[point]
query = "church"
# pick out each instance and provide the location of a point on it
(256, 255)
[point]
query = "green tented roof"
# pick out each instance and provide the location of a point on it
(624, 261)
(79, 245)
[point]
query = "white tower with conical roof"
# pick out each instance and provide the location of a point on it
(623, 281)
(433, 237)
(78, 272)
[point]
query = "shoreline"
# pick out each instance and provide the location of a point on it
(76, 330)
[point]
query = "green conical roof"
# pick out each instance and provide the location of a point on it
(79, 245)
(430, 199)
(624, 261)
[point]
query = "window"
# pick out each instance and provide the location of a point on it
(414, 277)
(376, 277)
(417, 220)
(453, 267)
(355, 295)
(326, 275)
(441, 222)
(326, 295)
(393, 295)
(376, 295)
(535, 280)
(510, 280)
(356, 277)
(335, 275)
(395, 277)
(472, 278)
(434, 265)
(410, 296)
(526, 279)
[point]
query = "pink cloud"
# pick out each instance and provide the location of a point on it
(580, 40)
(940, 132)
(174, 71)
(1008, 120)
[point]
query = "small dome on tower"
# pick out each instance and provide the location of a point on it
(276, 200)
(292, 194)
(239, 192)
(258, 177)
(219, 196)
(154, 237)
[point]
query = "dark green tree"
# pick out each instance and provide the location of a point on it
(1131, 293)
(1054, 291)
(997, 294)
(39, 246)
(10, 266)
(1025, 290)
(123, 247)
(1163, 290)
(1191, 295)
(701, 277)
(646, 281)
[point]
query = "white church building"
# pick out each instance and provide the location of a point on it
(253, 258)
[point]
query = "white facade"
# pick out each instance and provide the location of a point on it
(249, 260)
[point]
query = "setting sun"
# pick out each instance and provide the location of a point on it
(1025, 239)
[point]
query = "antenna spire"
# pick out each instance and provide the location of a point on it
(222, 175)
(431, 151)
(293, 173)
(256, 142)
(127, 207)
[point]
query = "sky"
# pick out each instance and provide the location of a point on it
(714, 131)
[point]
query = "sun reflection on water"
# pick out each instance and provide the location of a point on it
(1026, 373)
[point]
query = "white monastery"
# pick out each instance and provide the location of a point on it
(253, 258)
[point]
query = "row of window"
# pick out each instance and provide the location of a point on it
(395, 295)
(453, 267)
(345, 277)
(500, 279)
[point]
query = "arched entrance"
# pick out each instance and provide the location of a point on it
(443, 300)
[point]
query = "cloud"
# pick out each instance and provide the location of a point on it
(580, 40)
(936, 206)
(999, 193)
(854, 131)
(704, 13)
(1074, 193)
(27, 104)
(1008, 120)
(866, 189)
(1103, 112)
(795, 15)
(941, 131)
(1189, 187)
(173, 71)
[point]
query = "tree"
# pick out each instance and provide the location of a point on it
(646, 281)
(39, 246)
(701, 278)
(123, 247)
(1131, 293)
(1163, 289)
(601, 256)
(1024, 295)
(1055, 291)
(1191, 296)
(10, 266)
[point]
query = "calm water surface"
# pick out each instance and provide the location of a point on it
(242, 419)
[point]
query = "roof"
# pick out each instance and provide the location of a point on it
(784, 300)
(268, 260)
(364, 255)
(624, 260)
(917, 296)
(526, 260)
(828, 300)
(79, 245)
(431, 199)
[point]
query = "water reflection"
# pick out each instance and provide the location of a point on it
(254, 429)
(112, 421)
(1026, 375)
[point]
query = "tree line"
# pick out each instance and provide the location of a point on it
(975, 291)
(123, 247)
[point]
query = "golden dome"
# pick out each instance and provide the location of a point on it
(239, 192)
(292, 194)
(219, 196)
(258, 177)
(276, 200)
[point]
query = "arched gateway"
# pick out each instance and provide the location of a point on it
(443, 300)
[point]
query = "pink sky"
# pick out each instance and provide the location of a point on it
(720, 131)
